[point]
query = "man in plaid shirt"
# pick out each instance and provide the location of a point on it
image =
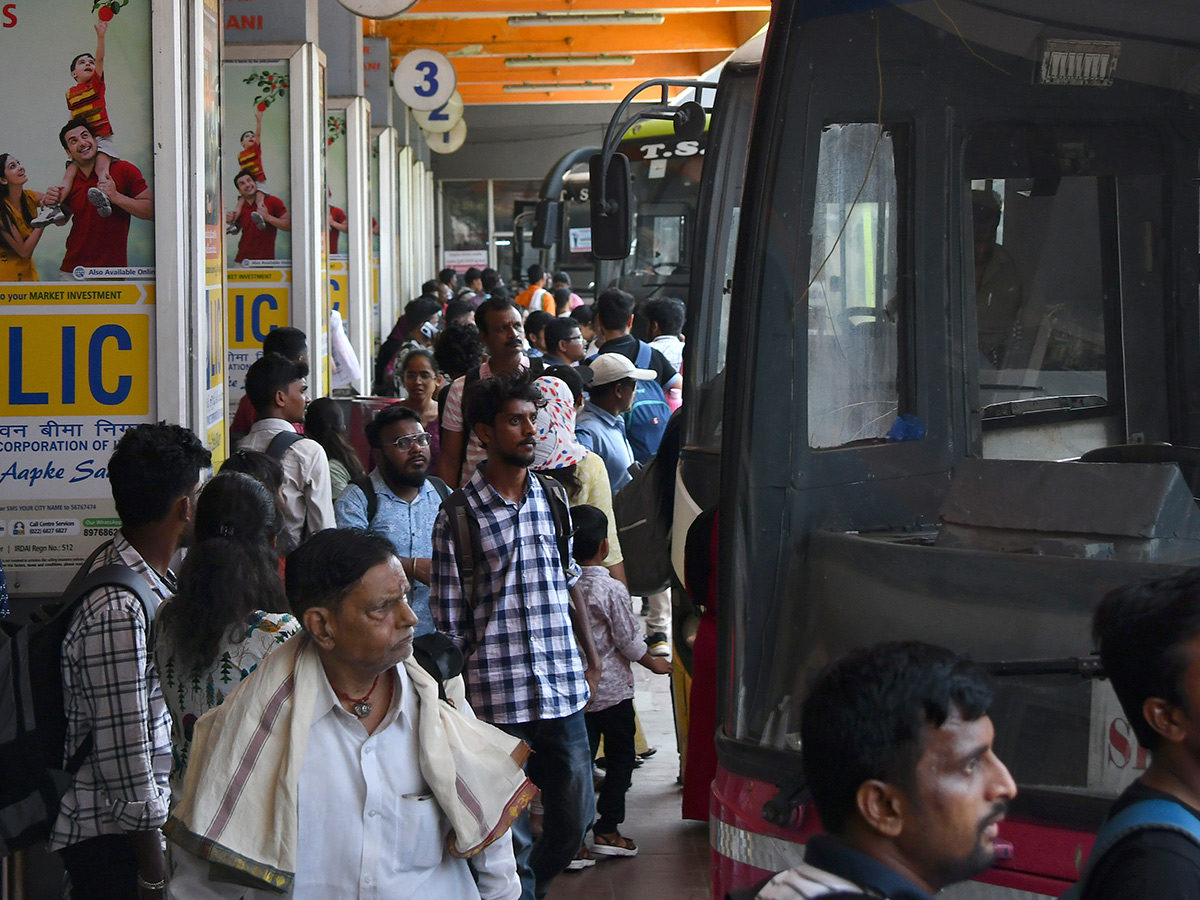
(108, 825)
(523, 630)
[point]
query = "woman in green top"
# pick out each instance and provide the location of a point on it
(325, 424)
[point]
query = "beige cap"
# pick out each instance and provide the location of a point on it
(609, 367)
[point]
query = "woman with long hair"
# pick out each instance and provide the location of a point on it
(421, 383)
(217, 628)
(18, 207)
(579, 470)
(325, 424)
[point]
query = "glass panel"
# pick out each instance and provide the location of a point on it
(659, 245)
(853, 337)
(504, 197)
(1039, 293)
(464, 215)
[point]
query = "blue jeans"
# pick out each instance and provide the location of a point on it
(561, 767)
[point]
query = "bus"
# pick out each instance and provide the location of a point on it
(958, 389)
(665, 185)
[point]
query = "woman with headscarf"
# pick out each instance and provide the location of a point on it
(578, 469)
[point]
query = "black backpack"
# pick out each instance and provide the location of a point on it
(365, 485)
(281, 442)
(33, 720)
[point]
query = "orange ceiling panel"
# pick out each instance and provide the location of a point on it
(695, 36)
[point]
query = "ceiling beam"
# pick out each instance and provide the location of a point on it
(471, 70)
(491, 9)
(709, 32)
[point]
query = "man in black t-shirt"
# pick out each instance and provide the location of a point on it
(614, 311)
(1148, 635)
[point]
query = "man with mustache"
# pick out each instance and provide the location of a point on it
(501, 332)
(897, 751)
(520, 619)
(406, 499)
(335, 770)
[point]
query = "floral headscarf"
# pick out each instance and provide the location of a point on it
(556, 447)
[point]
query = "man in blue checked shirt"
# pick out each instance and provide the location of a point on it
(523, 630)
(407, 501)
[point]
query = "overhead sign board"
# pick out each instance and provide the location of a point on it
(424, 79)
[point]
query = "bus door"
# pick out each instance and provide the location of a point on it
(966, 276)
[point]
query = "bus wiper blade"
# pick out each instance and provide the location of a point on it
(1084, 666)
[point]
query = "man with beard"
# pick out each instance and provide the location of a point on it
(500, 329)
(519, 618)
(108, 822)
(898, 756)
(406, 499)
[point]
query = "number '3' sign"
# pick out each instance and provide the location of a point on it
(424, 79)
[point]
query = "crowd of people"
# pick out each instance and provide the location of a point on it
(457, 605)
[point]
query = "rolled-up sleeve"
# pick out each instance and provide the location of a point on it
(114, 693)
(351, 509)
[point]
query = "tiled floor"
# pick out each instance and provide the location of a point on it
(673, 858)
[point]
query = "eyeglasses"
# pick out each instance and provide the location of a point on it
(404, 444)
(423, 375)
(572, 340)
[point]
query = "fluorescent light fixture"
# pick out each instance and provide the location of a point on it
(537, 62)
(561, 86)
(625, 18)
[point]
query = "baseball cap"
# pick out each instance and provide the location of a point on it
(609, 367)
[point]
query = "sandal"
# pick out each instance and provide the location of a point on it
(613, 844)
(583, 860)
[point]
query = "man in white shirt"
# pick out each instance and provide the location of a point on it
(276, 387)
(362, 818)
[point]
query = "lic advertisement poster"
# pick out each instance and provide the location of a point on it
(256, 185)
(76, 274)
(215, 405)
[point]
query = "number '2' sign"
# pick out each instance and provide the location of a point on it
(442, 119)
(424, 80)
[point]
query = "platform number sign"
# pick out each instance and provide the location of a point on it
(449, 141)
(424, 80)
(438, 121)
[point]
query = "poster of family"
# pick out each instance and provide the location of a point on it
(76, 162)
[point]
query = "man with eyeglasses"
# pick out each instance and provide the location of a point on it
(564, 342)
(406, 499)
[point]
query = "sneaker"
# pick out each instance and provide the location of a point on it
(233, 228)
(583, 860)
(100, 200)
(614, 844)
(659, 645)
(51, 215)
(257, 218)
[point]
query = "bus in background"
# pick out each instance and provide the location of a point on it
(959, 385)
(665, 177)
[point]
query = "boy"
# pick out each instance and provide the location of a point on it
(249, 160)
(619, 642)
(86, 101)
(1148, 635)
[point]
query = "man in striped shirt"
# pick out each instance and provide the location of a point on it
(523, 629)
(108, 824)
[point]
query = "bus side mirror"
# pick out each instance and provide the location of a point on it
(612, 219)
(545, 224)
